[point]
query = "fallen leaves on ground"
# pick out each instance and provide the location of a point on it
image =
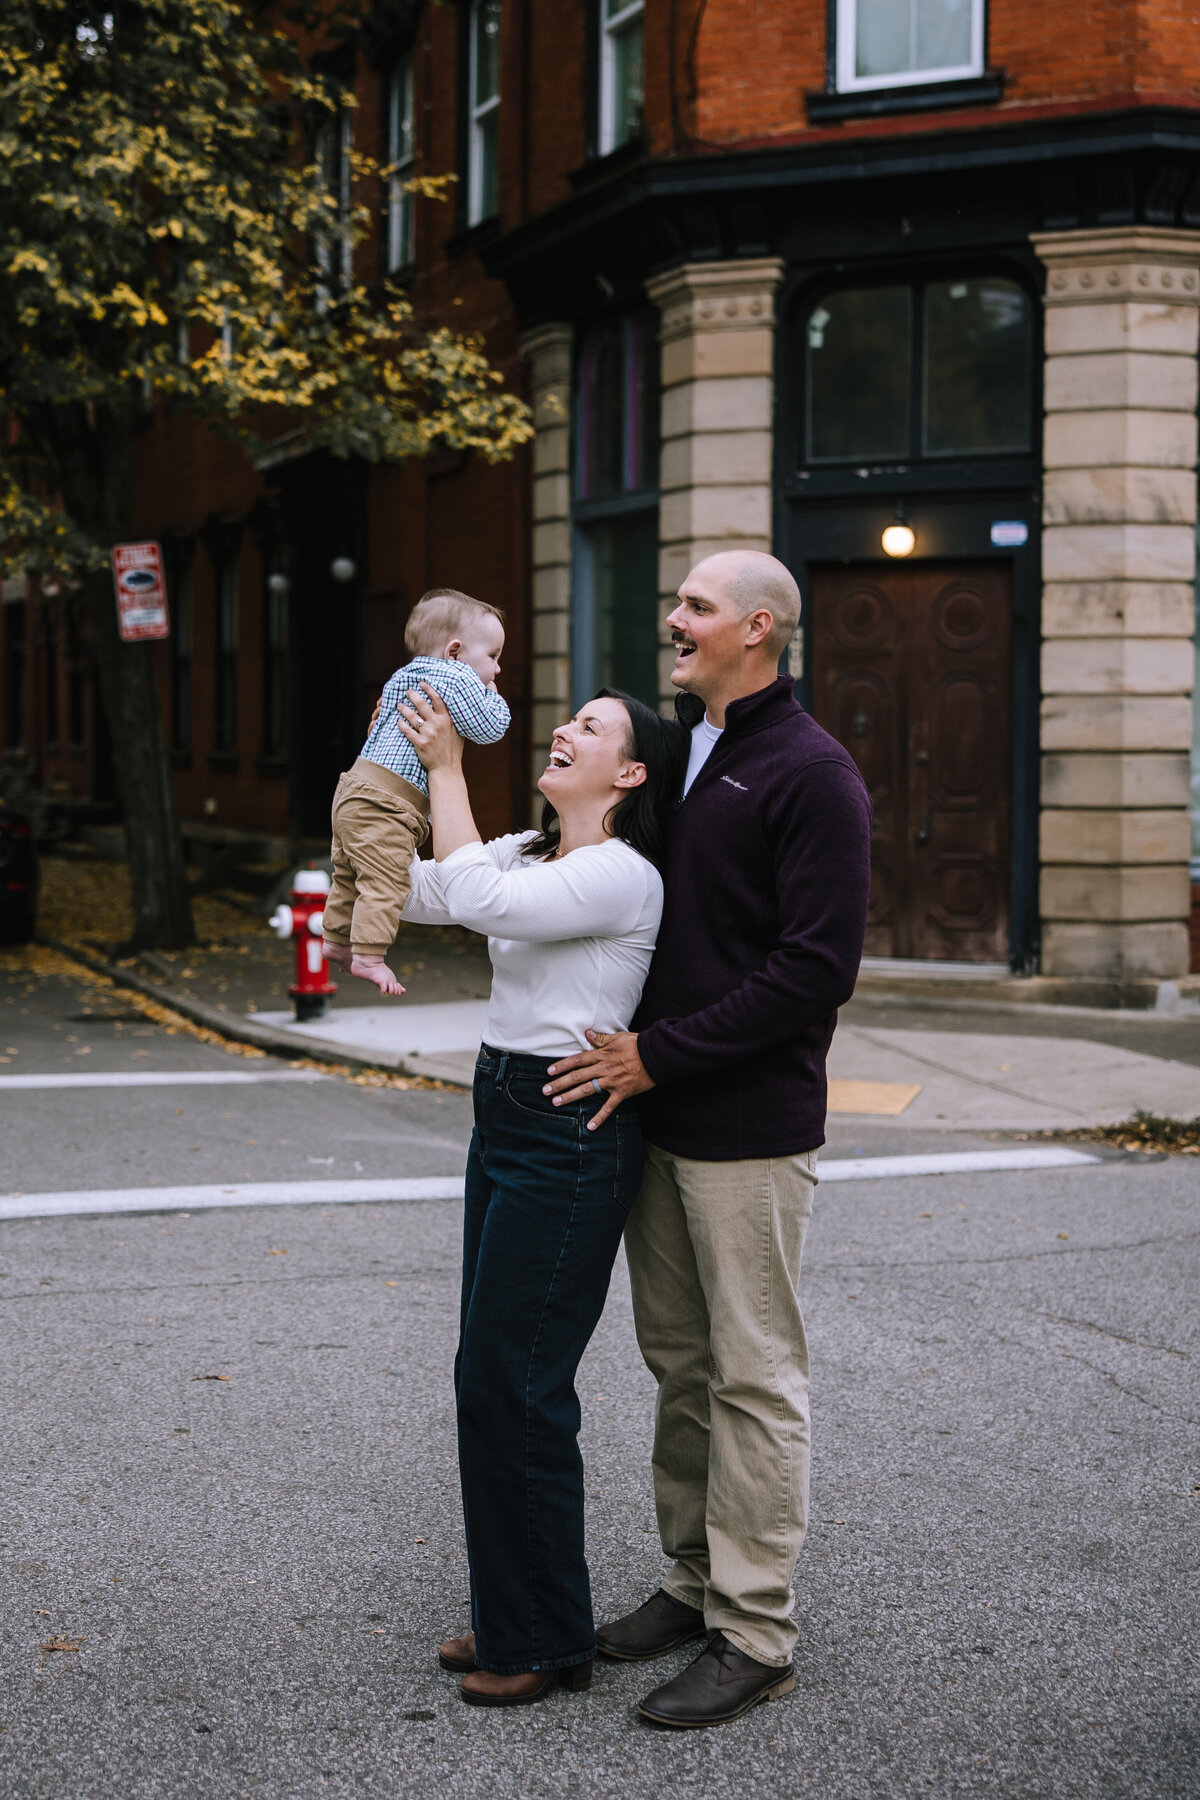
(212, 1377)
(1149, 1131)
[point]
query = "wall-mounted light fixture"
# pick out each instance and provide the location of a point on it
(899, 538)
(343, 568)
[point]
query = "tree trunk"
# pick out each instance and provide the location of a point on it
(162, 909)
(93, 451)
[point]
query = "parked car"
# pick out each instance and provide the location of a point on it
(18, 878)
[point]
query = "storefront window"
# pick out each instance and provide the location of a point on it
(932, 369)
(978, 361)
(614, 640)
(859, 378)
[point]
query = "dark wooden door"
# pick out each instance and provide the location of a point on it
(911, 672)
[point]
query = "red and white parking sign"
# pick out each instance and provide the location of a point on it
(141, 591)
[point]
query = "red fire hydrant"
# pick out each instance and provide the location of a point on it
(304, 920)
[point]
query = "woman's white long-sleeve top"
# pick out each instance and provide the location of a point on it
(570, 940)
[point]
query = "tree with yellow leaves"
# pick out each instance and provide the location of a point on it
(168, 242)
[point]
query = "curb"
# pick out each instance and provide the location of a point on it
(240, 1029)
(1018, 1009)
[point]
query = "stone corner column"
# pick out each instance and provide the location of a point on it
(718, 357)
(548, 351)
(1119, 516)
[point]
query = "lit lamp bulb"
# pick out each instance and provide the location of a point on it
(898, 540)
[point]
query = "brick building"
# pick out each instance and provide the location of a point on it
(906, 290)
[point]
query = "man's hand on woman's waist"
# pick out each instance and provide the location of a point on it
(611, 1066)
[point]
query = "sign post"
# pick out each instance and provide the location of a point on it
(141, 592)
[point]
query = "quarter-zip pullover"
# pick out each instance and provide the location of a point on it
(765, 903)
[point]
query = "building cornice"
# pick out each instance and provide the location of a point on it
(749, 183)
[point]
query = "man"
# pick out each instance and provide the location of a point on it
(766, 892)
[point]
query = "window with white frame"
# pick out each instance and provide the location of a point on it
(483, 92)
(400, 242)
(900, 43)
(620, 72)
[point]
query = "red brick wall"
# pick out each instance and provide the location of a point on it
(756, 59)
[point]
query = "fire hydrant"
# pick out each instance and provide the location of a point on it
(304, 920)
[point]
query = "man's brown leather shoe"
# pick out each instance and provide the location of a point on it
(458, 1654)
(662, 1624)
(482, 1688)
(722, 1684)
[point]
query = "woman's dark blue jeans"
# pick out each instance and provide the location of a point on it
(546, 1202)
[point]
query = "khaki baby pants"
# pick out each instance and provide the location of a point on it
(379, 819)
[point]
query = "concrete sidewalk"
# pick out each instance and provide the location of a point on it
(939, 1080)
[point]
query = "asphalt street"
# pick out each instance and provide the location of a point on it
(228, 1467)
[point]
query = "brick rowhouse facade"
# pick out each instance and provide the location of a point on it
(821, 269)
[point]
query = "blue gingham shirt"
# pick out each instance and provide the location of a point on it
(479, 713)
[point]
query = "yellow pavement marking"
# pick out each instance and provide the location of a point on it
(888, 1097)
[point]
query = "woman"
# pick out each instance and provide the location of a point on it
(571, 916)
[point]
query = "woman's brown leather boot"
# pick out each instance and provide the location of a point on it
(482, 1688)
(458, 1654)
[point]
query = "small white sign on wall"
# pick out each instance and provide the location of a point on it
(1009, 534)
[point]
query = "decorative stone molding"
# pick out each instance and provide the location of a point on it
(548, 350)
(718, 358)
(1122, 324)
(1118, 264)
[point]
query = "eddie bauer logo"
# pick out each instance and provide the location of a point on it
(736, 784)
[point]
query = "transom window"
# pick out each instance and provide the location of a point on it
(898, 43)
(400, 249)
(621, 89)
(483, 191)
(920, 369)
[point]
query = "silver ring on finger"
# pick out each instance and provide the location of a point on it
(596, 1085)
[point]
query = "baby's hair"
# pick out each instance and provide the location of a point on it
(438, 616)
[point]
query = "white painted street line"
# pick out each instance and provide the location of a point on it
(244, 1193)
(160, 1078)
(450, 1187)
(952, 1162)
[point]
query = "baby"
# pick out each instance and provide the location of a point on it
(381, 806)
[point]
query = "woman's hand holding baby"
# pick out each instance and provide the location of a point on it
(426, 723)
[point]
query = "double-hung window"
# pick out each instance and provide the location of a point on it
(332, 240)
(620, 72)
(400, 242)
(901, 43)
(483, 122)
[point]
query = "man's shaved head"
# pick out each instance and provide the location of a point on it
(753, 580)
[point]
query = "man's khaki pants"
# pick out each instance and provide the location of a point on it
(714, 1254)
(379, 820)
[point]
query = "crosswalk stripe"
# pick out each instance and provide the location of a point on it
(450, 1187)
(159, 1078)
(953, 1162)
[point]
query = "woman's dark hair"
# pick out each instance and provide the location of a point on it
(640, 817)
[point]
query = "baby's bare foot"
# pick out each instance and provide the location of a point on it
(373, 968)
(340, 955)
